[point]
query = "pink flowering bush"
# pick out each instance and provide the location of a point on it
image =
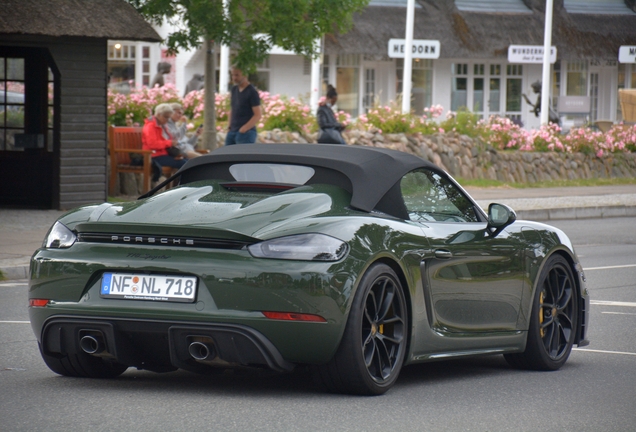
(387, 118)
(194, 108)
(504, 134)
(133, 108)
(500, 132)
(463, 122)
(12, 86)
(584, 140)
(279, 112)
(621, 137)
(287, 114)
(390, 119)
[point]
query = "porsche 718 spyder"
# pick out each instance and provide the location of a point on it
(352, 261)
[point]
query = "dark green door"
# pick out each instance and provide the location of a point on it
(472, 282)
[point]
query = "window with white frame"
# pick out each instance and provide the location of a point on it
(626, 80)
(369, 89)
(422, 83)
(576, 79)
(556, 84)
(128, 65)
(514, 89)
(493, 82)
(348, 83)
(459, 86)
(487, 89)
(479, 77)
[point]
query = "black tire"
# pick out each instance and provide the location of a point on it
(82, 365)
(553, 321)
(373, 346)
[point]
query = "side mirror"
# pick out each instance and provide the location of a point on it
(499, 217)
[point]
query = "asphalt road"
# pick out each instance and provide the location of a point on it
(594, 391)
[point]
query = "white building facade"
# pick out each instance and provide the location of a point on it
(473, 69)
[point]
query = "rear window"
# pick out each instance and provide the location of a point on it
(271, 173)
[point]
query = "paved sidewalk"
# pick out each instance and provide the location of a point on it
(22, 231)
(546, 204)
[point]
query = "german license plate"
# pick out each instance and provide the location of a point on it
(130, 286)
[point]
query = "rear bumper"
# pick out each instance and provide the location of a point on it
(163, 346)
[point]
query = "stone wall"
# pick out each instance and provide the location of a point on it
(467, 158)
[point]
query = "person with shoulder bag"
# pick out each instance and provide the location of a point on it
(330, 128)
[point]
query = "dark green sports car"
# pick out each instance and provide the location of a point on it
(353, 261)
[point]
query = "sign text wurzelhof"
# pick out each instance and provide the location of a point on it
(529, 54)
(627, 54)
(423, 49)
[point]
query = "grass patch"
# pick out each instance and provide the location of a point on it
(486, 183)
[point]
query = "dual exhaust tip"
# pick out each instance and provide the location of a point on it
(93, 343)
(201, 351)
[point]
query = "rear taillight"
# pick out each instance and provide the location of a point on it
(291, 316)
(38, 302)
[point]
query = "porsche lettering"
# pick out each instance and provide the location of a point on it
(151, 240)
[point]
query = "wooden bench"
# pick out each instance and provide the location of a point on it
(124, 141)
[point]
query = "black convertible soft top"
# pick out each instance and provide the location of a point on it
(370, 174)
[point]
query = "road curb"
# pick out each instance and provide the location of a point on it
(14, 272)
(543, 215)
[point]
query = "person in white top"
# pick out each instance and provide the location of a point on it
(177, 126)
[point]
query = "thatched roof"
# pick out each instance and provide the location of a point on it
(486, 35)
(594, 36)
(109, 19)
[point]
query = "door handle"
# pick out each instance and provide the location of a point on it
(443, 254)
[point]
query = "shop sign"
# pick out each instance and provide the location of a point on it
(422, 49)
(627, 54)
(574, 105)
(529, 54)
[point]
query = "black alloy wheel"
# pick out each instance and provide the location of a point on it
(556, 307)
(373, 347)
(554, 319)
(383, 328)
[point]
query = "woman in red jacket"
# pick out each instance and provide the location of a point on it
(156, 138)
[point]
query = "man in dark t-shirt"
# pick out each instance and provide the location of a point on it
(245, 111)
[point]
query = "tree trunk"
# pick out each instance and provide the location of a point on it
(209, 118)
